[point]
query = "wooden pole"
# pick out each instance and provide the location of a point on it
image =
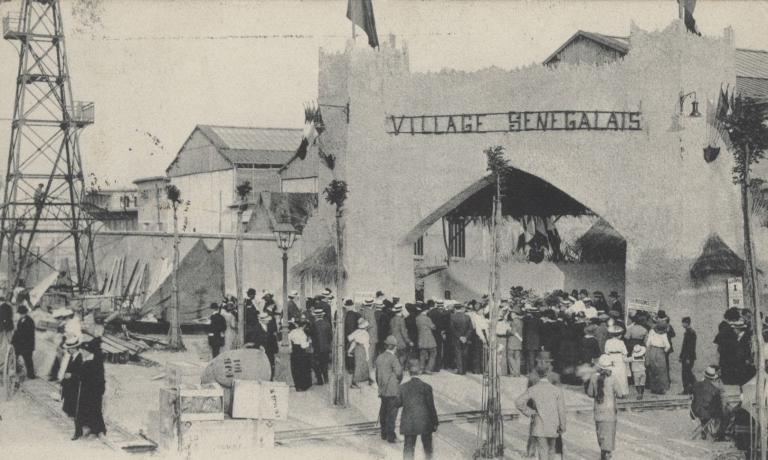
(174, 339)
(340, 393)
(239, 278)
(753, 298)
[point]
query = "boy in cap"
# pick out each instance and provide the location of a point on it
(637, 367)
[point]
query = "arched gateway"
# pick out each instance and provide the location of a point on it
(614, 138)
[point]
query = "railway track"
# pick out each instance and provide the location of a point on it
(372, 428)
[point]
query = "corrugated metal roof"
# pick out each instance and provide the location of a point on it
(753, 87)
(751, 63)
(248, 145)
(247, 138)
(259, 157)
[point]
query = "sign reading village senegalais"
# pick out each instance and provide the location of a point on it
(504, 122)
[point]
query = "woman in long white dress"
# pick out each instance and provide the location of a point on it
(617, 352)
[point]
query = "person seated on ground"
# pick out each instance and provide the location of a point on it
(707, 404)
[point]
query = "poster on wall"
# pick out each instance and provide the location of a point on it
(735, 293)
(643, 305)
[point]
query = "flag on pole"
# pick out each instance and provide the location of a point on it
(360, 12)
(686, 10)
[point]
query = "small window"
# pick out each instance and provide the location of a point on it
(456, 238)
(418, 247)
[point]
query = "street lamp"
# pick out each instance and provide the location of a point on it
(285, 235)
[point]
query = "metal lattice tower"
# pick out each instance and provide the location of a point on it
(44, 186)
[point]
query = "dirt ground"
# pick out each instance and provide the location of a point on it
(133, 391)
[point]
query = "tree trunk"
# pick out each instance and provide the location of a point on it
(174, 333)
(752, 297)
(339, 386)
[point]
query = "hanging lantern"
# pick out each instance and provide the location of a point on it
(711, 153)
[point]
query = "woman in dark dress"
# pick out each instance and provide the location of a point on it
(727, 346)
(92, 386)
(301, 354)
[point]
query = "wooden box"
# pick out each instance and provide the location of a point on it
(193, 402)
(260, 400)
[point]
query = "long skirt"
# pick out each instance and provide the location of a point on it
(301, 368)
(606, 435)
(89, 412)
(656, 363)
(619, 372)
(361, 374)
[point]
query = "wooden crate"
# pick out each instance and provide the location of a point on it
(193, 402)
(260, 400)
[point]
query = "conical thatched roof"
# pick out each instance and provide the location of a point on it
(319, 266)
(602, 243)
(716, 258)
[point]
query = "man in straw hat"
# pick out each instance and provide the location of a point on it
(389, 373)
(707, 404)
(71, 367)
(400, 333)
(544, 403)
(368, 312)
(322, 342)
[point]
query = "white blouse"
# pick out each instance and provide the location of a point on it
(655, 339)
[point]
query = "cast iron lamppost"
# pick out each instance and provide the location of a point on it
(285, 235)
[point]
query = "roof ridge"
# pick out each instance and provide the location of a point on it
(251, 127)
(752, 50)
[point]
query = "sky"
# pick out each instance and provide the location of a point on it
(157, 68)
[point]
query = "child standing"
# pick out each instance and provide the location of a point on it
(637, 366)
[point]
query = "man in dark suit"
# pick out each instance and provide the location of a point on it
(389, 373)
(293, 310)
(351, 317)
(216, 330)
(688, 356)
(419, 416)
(24, 340)
(264, 335)
(322, 338)
(461, 328)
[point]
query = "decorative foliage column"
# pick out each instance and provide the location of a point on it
(336, 194)
(175, 341)
(490, 432)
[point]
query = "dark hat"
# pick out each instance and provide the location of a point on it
(251, 291)
(349, 303)
(661, 314)
(22, 310)
(686, 319)
(732, 314)
(214, 306)
(591, 329)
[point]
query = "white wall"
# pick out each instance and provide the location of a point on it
(210, 195)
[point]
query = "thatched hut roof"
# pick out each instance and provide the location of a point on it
(602, 243)
(319, 266)
(716, 258)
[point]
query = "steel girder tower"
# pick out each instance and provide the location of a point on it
(44, 181)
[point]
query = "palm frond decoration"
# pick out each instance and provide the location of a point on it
(173, 194)
(336, 193)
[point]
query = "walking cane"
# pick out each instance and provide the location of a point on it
(77, 407)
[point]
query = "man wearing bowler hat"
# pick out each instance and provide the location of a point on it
(23, 339)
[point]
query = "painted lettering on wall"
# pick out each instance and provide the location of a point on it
(509, 122)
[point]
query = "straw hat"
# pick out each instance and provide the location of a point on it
(397, 308)
(614, 329)
(638, 351)
(72, 342)
(293, 294)
(712, 373)
(62, 312)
